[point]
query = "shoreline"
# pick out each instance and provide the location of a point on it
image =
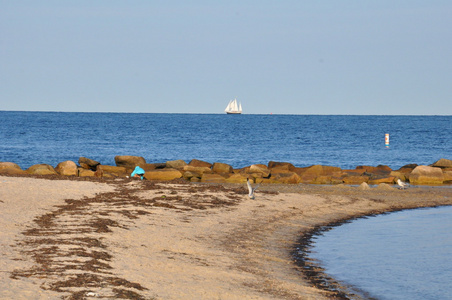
(312, 268)
(170, 240)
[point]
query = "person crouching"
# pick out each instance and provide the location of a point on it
(138, 172)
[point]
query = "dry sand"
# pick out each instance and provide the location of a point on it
(132, 239)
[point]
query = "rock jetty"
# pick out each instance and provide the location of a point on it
(438, 173)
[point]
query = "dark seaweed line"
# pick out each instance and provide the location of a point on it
(69, 255)
(67, 248)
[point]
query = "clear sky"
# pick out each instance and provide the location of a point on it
(379, 57)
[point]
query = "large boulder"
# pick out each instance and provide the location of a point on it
(109, 171)
(447, 176)
(285, 178)
(153, 166)
(315, 170)
(262, 170)
(380, 169)
(221, 168)
(443, 163)
(192, 173)
(191, 176)
(426, 175)
(330, 170)
(349, 178)
(404, 172)
(199, 170)
(320, 174)
(298, 170)
(41, 169)
(129, 161)
(163, 174)
(149, 167)
(87, 163)
(407, 168)
(236, 178)
(378, 179)
(10, 168)
(309, 174)
(9, 165)
(283, 169)
(12, 171)
(321, 179)
(82, 172)
(398, 174)
(199, 163)
(214, 178)
(67, 168)
(176, 164)
(354, 172)
(281, 165)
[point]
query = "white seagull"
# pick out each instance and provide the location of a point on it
(251, 189)
(402, 185)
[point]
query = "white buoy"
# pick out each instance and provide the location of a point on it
(387, 140)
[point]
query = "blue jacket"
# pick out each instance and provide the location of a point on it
(138, 171)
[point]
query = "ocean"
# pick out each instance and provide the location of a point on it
(29, 138)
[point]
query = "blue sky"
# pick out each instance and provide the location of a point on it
(282, 57)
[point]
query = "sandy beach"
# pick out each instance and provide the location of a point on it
(133, 239)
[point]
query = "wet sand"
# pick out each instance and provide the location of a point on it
(133, 239)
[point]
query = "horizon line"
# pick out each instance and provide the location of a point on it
(201, 113)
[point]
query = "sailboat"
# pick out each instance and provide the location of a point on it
(233, 107)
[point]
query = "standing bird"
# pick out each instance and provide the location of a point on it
(251, 189)
(401, 184)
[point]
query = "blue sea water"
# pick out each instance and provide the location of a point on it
(401, 255)
(29, 138)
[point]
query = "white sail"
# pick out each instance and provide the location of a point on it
(233, 107)
(229, 106)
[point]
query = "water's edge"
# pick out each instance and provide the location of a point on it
(316, 274)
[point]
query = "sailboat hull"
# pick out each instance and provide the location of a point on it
(233, 112)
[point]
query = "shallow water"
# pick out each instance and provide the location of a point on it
(401, 255)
